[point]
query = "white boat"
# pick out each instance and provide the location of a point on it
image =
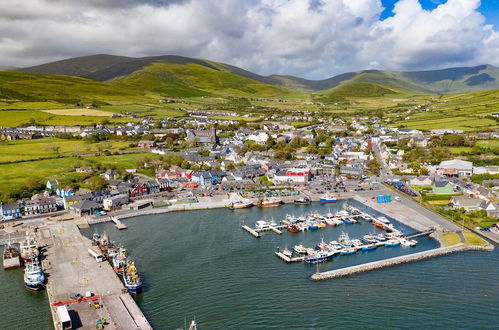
(356, 242)
(33, 276)
(272, 223)
(319, 256)
(287, 253)
(406, 242)
(383, 220)
(261, 224)
(28, 248)
(300, 249)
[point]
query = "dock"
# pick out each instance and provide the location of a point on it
(70, 269)
(256, 231)
(118, 224)
(284, 257)
(251, 231)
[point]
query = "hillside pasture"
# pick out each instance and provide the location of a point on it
(79, 112)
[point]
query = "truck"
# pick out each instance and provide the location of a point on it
(64, 319)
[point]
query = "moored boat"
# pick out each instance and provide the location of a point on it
(33, 276)
(240, 204)
(119, 260)
(261, 224)
(348, 250)
(300, 249)
(313, 226)
(369, 238)
(391, 243)
(269, 203)
(327, 198)
(294, 228)
(131, 278)
(287, 253)
(319, 256)
(11, 257)
(369, 247)
(302, 201)
(29, 248)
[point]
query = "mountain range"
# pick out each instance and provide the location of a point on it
(104, 68)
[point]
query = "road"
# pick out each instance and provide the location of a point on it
(385, 171)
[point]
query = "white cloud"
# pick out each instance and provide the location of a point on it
(312, 38)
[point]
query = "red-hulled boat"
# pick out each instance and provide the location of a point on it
(293, 228)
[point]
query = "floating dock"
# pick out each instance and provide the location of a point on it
(256, 231)
(284, 257)
(118, 224)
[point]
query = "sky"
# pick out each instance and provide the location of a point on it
(314, 39)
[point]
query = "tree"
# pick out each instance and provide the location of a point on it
(424, 171)
(96, 183)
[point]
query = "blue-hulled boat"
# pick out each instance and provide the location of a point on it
(319, 256)
(313, 226)
(348, 251)
(327, 198)
(391, 243)
(369, 247)
(347, 220)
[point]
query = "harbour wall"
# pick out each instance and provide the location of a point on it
(375, 265)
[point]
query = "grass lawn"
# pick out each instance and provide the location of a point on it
(441, 203)
(474, 239)
(450, 239)
(491, 144)
(459, 150)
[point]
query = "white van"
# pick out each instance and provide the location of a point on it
(94, 253)
(64, 319)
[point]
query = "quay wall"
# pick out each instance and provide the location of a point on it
(348, 271)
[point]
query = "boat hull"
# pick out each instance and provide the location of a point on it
(327, 200)
(34, 287)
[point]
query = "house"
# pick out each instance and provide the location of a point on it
(146, 144)
(455, 167)
(418, 141)
(293, 175)
(40, 206)
(353, 171)
(421, 181)
(260, 138)
(115, 202)
(52, 184)
(468, 204)
(65, 192)
(442, 188)
(70, 200)
(207, 177)
(206, 137)
(110, 175)
(85, 207)
(10, 210)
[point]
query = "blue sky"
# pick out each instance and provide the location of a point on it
(488, 8)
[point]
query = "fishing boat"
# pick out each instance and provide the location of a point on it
(369, 247)
(348, 250)
(119, 260)
(33, 276)
(29, 248)
(300, 249)
(95, 239)
(294, 228)
(391, 243)
(302, 201)
(319, 256)
(11, 257)
(344, 240)
(380, 237)
(269, 203)
(240, 205)
(368, 238)
(131, 278)
(327, 198)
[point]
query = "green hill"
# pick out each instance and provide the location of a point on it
(355, 90)
(446, 81)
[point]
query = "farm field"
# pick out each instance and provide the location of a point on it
(79, 112)
(25, 150)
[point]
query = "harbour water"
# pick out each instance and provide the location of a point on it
(202, 265)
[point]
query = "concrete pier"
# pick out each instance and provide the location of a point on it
(70, 269)
(348, 271)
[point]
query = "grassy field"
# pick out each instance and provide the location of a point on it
(490, 144)
(459, 150)
(79, 112)
(450, 239)
(26, 150)
(474, 239)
